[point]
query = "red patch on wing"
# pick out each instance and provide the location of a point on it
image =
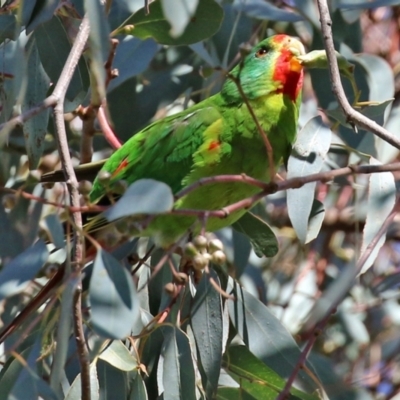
(289, 72)
(214, 145)
(121, 167)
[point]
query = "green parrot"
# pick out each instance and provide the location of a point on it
(217, 136)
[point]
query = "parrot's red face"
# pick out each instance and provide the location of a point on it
(288, 69)
(271, 68)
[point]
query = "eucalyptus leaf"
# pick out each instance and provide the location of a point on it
(42, 12)
(18, 273)
(113, 298)
(262, 10)
(8, 23)
(179, 15)
(255, 377)
(117, 355)
(178, 372)
(206, 322)
(75, 391)
(145, 196)
(381, 200)
(204, 23)
(54, 47)
(264, 334)
(38, 84)
(99, 40)
(307, 158)
(260, 234)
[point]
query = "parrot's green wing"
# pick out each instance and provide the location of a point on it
(163, 151)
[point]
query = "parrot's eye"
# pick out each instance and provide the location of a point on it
(261, 52)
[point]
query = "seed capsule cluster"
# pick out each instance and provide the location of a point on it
(202, 250)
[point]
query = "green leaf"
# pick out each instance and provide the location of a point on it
(381, 200)
(56, 230)
(138, 389)
(179, 14)
(132, 57)
(206, 322)
(264, 334)
(315, 221)
(35, 128)
(385, 151)
(255, 377)
(42, 12)
(205, 22)
(113, 383)
(75, 391)
(18, 273)
(29, 385)
(54, 47)
(225, 393)
(178, 379)
(145, 196)
(117, 355)
(99, 40)
(260, 234)
(262, 10)
(307, 158)
(241, 251)
(8, 23)
(113, 298)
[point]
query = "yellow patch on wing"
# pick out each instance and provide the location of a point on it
(209, 151)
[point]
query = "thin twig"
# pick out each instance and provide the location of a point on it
(353, 116)
(72, 185)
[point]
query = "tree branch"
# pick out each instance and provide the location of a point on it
(353, 116)
(72, 184)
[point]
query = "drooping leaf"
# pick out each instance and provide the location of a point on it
(206, 322)
(264, 334)
(117, 355)
(255, 377)
(112, 381)
(204, 23)
(260, 234)
(42, 12)
(145, 196)
(35, 128)
(315, 221)
(241, 251)
(262, 10)
(307, 158)
(381, 200)
(99, 46)
(138, 389)
(113, 298)
(225, 393)
(17, 274)
(28, 384)
(178, 379)
(75, 391)
(385, 151)
(179, 14)
(56, 231)
(8, 23)
(54, 47)
(132, 58)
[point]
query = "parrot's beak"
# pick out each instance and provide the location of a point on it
(297, 49)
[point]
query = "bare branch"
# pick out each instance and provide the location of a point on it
(353, 116)
(72, 184)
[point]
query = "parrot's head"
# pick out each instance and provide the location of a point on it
(271, 67)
